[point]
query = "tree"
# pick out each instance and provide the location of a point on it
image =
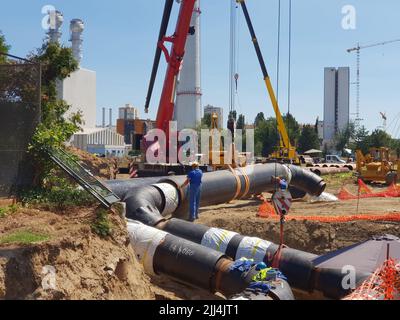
(361, 140)
(343, 137)
(55, 129)
(233, 114)
(206, 121)
(308, 139)
(379, 138)
(266, 137)
(259, 118)
(292, 128)
(240, 122)
(4, 48)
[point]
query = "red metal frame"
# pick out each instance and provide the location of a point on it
(174, 60)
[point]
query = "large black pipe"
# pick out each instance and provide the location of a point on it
(296, 265)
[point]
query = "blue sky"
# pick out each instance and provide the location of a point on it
(120, 39)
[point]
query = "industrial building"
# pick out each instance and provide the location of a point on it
(336, 102)
(101, 141)
(188, 96)
(209, 109)
(131, 127)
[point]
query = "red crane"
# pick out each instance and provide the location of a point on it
(174, 59)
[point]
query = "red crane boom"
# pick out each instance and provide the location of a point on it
(174, 59)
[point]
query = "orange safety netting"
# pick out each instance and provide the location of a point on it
(383, 284)
(393, 217)
(393, 191)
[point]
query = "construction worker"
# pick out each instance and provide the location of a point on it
(194, 178)
(281, 182)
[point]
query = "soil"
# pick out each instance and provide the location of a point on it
(99, 167)
(312, 236)
(88, 266)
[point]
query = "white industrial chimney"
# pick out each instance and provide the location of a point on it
(55, 22)
(76, 28)
(188, 97)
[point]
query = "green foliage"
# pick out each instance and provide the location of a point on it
(134, 153)
(206, 121)
(56, 193)
(233, 114)
(266, 137)
(55, 129)
(5, 211)
(259, 118)
(4, 48)
(102, 225)
(23, 237)
(308, 139)
(343, 138)
(292, 128)
(240, 122)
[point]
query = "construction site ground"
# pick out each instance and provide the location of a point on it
(88, 266)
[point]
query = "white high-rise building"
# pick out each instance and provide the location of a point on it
(188, 96)
(336, 102)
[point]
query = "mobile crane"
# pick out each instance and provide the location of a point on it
(286, 152)
(174, 59)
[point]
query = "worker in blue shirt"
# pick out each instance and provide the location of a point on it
(281, 182)
(194, 178)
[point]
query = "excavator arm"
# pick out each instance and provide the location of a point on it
(287, 150)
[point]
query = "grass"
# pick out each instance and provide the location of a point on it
(339, 178)
(5, 211)
(23, 237)
(102, 225)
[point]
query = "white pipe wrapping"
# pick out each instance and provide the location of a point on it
(171, 196)
(145, 241)
(217, 239)
(252, 248)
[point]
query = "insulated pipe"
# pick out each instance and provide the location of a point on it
(224, 186)
(294, 264)
(298, 266)
(165, 254)
(122, 187)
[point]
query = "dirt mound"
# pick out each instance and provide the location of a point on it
(73, 263)
(99, 167)
(312, 236)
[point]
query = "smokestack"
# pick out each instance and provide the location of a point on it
(55, 22)
(76, 27)
(110, 115)
(188, 97)
(104, 118)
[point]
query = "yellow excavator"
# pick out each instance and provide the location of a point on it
(377, 166)
(286, 152)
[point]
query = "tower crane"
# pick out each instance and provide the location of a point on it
(358, 49)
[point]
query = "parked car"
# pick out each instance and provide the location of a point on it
(334, 159)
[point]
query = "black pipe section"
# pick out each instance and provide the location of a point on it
(122, 187)
(156, 63)
(144, 204)
(196, 265)
(296, 265)
(307, 181)
(222, 186)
